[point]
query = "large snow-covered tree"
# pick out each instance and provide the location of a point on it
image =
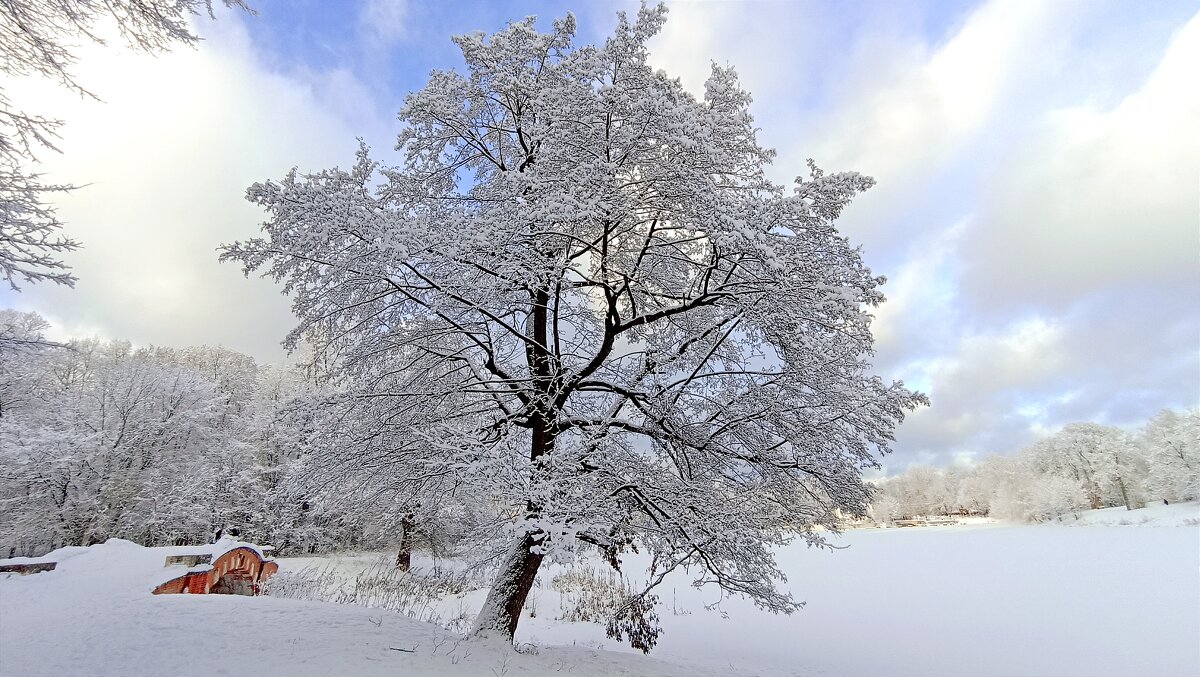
(1170, 445)
(1091, 454)
(582, 296)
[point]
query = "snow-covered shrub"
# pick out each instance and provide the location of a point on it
(636, 620)
(414, 593)
(588, 594)
(309, 583)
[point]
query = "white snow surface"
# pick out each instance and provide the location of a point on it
(967, 600)
(1155, 515)
(95, 615)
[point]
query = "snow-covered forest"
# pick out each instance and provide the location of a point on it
(164, 446)
(1083, 466)
(101, 440)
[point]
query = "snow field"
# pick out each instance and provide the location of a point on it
(966, 600)
(94, 615)
(978, 599)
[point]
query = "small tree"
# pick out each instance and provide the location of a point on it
(598, 313)
(379, 467)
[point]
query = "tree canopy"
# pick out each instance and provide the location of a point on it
(581, 294)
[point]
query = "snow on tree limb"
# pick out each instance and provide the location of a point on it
(579, 287)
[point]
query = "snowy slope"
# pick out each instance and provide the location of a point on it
(1023, 600)
(94, 615)
(1154, 515)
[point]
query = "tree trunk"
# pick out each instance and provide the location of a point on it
(404, 556)
(1093, 491)
(1124, 493)
(502, 609)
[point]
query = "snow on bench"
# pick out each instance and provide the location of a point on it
(189, 560)
(26, 569)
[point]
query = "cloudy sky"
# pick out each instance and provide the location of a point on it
(1036, 211)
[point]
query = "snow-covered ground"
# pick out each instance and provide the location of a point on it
(1155, 515)
(94, 615)
(967, 600)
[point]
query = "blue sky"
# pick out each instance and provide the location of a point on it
(1036, 212)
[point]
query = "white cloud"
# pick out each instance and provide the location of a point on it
(165, 160)
(1099, 199)
(1039, 230)
(985, 392)
(689, 42)
(904, 109)
(885, 100)
(907, 111)
(920, 297)
(384, 22)
(773, 47)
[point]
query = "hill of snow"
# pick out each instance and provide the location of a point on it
(1154, 515)
(94, 615)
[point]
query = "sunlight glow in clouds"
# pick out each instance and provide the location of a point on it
(1038, 167)
(164, 161)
